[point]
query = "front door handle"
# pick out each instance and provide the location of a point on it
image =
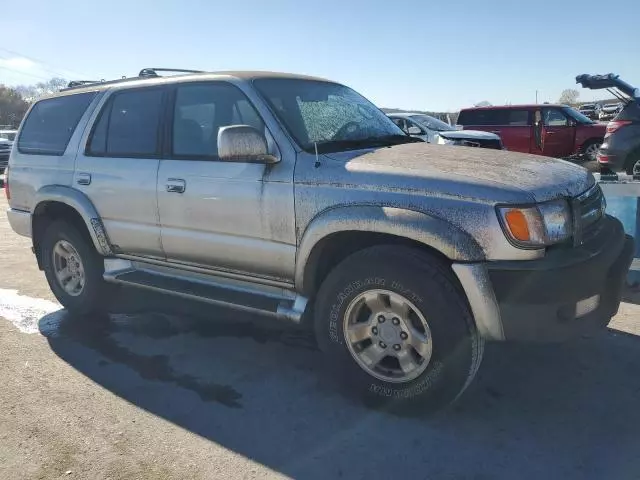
(176, 185)
(83, 178)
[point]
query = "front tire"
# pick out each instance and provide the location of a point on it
(74, 269)
(396, 329)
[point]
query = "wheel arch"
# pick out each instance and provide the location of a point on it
(59, 202)
(334, 234)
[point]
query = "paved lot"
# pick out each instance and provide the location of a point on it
(215, 395)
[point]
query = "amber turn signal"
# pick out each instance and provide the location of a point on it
(517, 224)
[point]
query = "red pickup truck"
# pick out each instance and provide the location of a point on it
(552, 130)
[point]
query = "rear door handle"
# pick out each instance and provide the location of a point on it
(83, 179)
(176, 185)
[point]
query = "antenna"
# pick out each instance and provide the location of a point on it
(315, 145)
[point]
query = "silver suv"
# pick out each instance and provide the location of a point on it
(295, 197)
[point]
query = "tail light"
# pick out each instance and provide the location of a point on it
(6, 183)
(603, 158)
(616, 125)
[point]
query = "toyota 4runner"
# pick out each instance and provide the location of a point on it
(296, 198)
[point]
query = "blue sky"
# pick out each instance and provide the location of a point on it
(415, 54)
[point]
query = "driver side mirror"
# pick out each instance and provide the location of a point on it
(414, 131)
(243, 143)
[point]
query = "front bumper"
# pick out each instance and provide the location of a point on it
(571, 291)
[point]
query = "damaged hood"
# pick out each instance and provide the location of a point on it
(490, 175)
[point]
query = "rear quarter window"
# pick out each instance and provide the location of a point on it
(51, 122)
(482, 117)
(497, 117)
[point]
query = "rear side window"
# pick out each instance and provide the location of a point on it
(497, 117)
(482, 117)
(517, 118)
(128, 125)
(50, 124)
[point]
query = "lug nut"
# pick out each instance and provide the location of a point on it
(396, 347)
(382, 345)
(374, 330)
(403, 335)
(395, 321)
(381, 319)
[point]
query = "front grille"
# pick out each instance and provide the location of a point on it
(588, 211)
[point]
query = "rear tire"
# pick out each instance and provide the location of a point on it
(384, 277)
(633, 162)
(74, 269)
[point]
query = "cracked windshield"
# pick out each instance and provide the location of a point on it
(302, 240)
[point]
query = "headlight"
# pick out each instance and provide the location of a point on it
(538, 225)
(446, 141)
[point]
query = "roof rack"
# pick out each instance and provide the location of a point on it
(85, 83)
(153, 72)
(82, 83)
(144, 73)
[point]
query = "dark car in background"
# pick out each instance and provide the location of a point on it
(589, 110)
(551, 130)
(6, 142)
(609, 111)
(620, 151)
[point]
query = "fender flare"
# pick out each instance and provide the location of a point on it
(434, 232)
(81, 204)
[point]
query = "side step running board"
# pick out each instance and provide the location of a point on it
(288, 307)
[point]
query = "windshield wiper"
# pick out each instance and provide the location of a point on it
(329, 146)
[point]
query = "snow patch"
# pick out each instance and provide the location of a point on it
(25, 312)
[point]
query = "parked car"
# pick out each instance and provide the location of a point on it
(552, 130)
(296, 198)
(590, 110)
(609, 111)
(6, 142)
(432, 130)
(620, 151)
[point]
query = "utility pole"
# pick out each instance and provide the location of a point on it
(536, 97)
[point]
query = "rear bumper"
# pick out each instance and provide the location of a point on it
(566, 294)
(611, 159)
(20, 221)
(618, 147)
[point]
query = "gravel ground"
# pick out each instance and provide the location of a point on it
(214, 394)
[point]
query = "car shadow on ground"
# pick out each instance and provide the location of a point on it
(553, 411)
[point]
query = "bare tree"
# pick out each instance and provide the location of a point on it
(31, 93)
(569, 96)
(12, 107)
(483, 103)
